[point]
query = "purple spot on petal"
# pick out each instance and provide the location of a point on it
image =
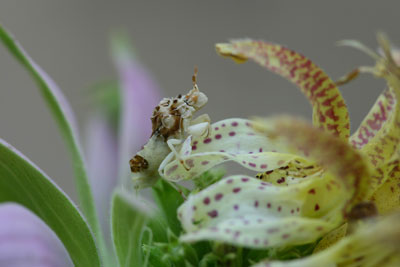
(194, 208)
(223, 125)
(261, 187)
(263, 166)
(227, 231)
(234, 124)
(218, 136)
(245, 179)
(218, 196)
(236, 234)
(246, 222)
(171, 170)
(214, 229)
(204, 162)
(236, 207)
(206, 200)
(268, 205)
(285, 236)
(260, 150)
(232, 133)
(248, 124)
(190, 163)
(216, 128)
(251, 164)
(222, 150)
(244, 162)
(256, 241)
(207, 140)
(250, 134)
(265, 242)
(272, 230)
(256, 203)
(213, 213)
(236, 190)
(194, 147)
(279, 209)
(229, 181)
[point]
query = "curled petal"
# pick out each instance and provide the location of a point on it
(375, 243)
(230, 140)
(386, 197)
(25, 240)
(244, 211)
(331, 153)
(329, 109)
(102, 159)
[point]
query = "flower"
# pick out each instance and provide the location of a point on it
(313, 177)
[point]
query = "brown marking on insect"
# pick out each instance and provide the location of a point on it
(138, 164)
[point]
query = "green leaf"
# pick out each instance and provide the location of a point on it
(22, 182)
(129, 218)
(63, 115)
(168, 200)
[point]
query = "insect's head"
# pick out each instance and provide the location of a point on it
(195, 98)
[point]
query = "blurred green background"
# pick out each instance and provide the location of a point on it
(70, 40)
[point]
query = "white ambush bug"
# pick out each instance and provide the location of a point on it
(172, 122)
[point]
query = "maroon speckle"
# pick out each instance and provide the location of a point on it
(268, 205)
(260, 150)
(264, 183)
(216, 128)
(312, 191)
(222, 150)
(190, 163)
(272, 230)
(195, 142)
(229, 181)
(204, 162)
(251, 164)
(279, 209)
(246, 222)
(256, 241)
(218, 196)
(207, 140)
(236, 190)
(297, 209)
(172, 169)
(194, 208)
(223, 125)
(256, 203)
(213, 213)
(261, 187)
(206, 200)
(291, 211)
(236, 234)
(245, 179)
(234, 124)
(263, 166)
(218, 136)
(244, 162)
(285, 236)
(232, 133)
(194, 147)
(236, 207)
(316, 207)
(281, 180)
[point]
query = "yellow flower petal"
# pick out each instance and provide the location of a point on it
(329, 109)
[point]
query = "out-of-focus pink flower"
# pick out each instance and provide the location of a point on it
(25, 240)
